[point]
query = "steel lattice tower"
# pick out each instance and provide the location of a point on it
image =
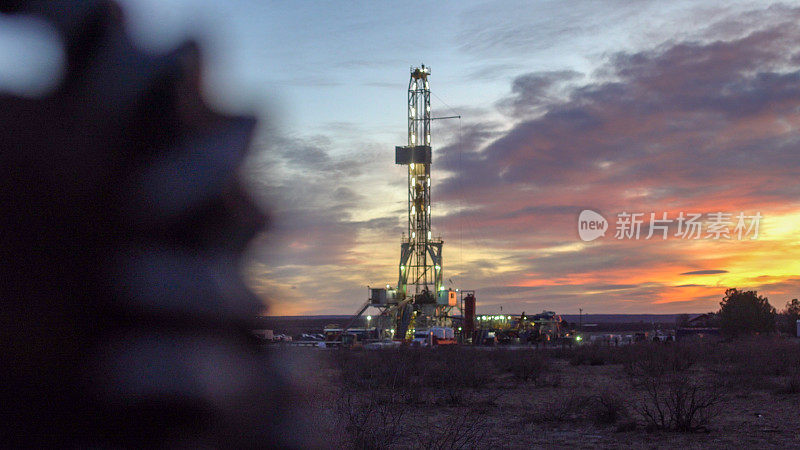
(420, 268)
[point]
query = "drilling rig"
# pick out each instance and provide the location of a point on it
(420, 299)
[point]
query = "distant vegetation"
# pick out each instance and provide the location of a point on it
(745, 312)
(682, 386)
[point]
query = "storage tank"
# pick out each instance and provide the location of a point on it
(469, 315)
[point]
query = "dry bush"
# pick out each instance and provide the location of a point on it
(790, 386)
(671, 397)
(370, 421)
(460, 366)
(604, 408)
(657, 359)
(524, 365)
(458, 371)
(569, 409)
(452, 372)
(374, 370)
(608, 407)
(679, 402)
(457, 431)
(592, 355)
(756, 363)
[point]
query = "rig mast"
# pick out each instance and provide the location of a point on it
(420, 300)
(420, 269)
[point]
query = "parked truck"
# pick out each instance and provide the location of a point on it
(434, 336)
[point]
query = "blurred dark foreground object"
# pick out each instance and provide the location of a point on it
(124, 317)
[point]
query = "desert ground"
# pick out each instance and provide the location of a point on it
(725, 394)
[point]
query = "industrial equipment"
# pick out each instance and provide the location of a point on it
(420, 301)
(519, 329)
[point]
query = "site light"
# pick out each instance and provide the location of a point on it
(578, 338)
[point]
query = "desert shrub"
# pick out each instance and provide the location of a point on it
(375, 370)
(523, 365)
(592, 355)
(457, 366)
(568, 409)
(757, 363)
(369, 421)
(457, 431)
(790, 386)
(453, 373)
(679, 402)
(672, 398)
(627, 426)
(608, 407)
(651, 360)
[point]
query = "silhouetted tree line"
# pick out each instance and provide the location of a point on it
(746, 312)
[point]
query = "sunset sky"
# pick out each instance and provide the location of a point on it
(612, 106)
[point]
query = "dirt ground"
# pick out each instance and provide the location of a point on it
(557, 407)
